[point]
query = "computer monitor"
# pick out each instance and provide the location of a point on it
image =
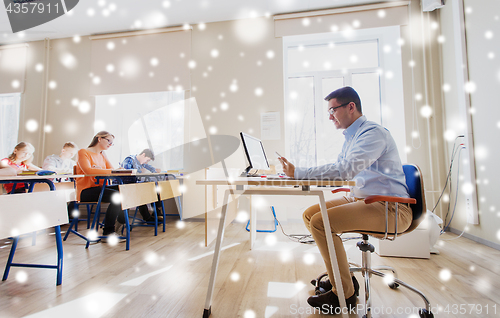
(255, 153)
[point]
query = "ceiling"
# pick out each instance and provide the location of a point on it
(108, 16)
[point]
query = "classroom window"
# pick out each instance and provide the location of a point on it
(144, 120)
(318, 64)
(9, 122)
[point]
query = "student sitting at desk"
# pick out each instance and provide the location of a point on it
(370, 157)
(20, 160)
(140, 163)
(93, 160)
(63, 162)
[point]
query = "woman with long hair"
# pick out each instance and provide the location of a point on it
(93, 160)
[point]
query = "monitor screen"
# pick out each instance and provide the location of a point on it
(254, 151)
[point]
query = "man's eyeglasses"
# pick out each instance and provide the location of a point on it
(109, 141)
(332, 109)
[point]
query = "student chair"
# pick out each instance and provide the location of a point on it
(415, 185)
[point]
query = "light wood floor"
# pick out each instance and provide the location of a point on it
(158, 277)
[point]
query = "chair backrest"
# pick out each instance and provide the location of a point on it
(415, 184)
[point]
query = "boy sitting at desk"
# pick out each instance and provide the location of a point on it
(63, 162)
(140, 163)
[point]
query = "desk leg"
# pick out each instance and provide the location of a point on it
(215, 262)
(11, 257)
(253, 225)
(333, 256)
(59, 255)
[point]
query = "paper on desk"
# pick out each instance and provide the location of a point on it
(270, 128)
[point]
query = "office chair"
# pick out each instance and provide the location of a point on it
(415, 185)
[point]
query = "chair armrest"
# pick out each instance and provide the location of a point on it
(376, 198)
(341, 190)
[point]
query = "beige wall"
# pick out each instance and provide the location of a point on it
(253, 38)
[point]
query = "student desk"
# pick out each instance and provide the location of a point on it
(52, 220)
(278, 186)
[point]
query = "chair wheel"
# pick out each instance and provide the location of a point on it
(423, 313)
(393, 285)
(313, 282)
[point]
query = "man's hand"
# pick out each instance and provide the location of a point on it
(288, 168)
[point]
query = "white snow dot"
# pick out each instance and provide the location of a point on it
(110, 46)
(214, 53)
(48, 128)
(418, 96)
(110, 68)
(259, 91)
(491, 55)
(39, 67)
(356, 23)
(202, 26)
(381, 14)
(75, 102)
(426, 111)
(180, 224)
(21, 277)
(446, 87)
(31, 125)
(488, 34)
(306, 22)
(112, 239)
(191, 64)
(116, 198)
(271, 240)
(270, 54)
(212, 130)
(468, 188)
(112, 101)
(96, 80)
(233, 87)
(441, 39)
(241, 118)
(249, 314)
(235, 276)
(470, 87)
(15, 83)
(415, 134)
(77, 39)
(449, 135)
(309, 258)
(90, 12)
(84, 107)
(224, 106)
(445, 275)
(52, 84)
(154, 61)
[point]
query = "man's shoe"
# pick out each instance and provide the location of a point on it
(329, 303)
(326, 285)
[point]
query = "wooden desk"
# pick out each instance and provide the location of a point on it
(263, 186)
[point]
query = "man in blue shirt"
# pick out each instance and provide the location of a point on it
(370, 157)
(140, 163)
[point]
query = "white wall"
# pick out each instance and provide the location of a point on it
(481, 17)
